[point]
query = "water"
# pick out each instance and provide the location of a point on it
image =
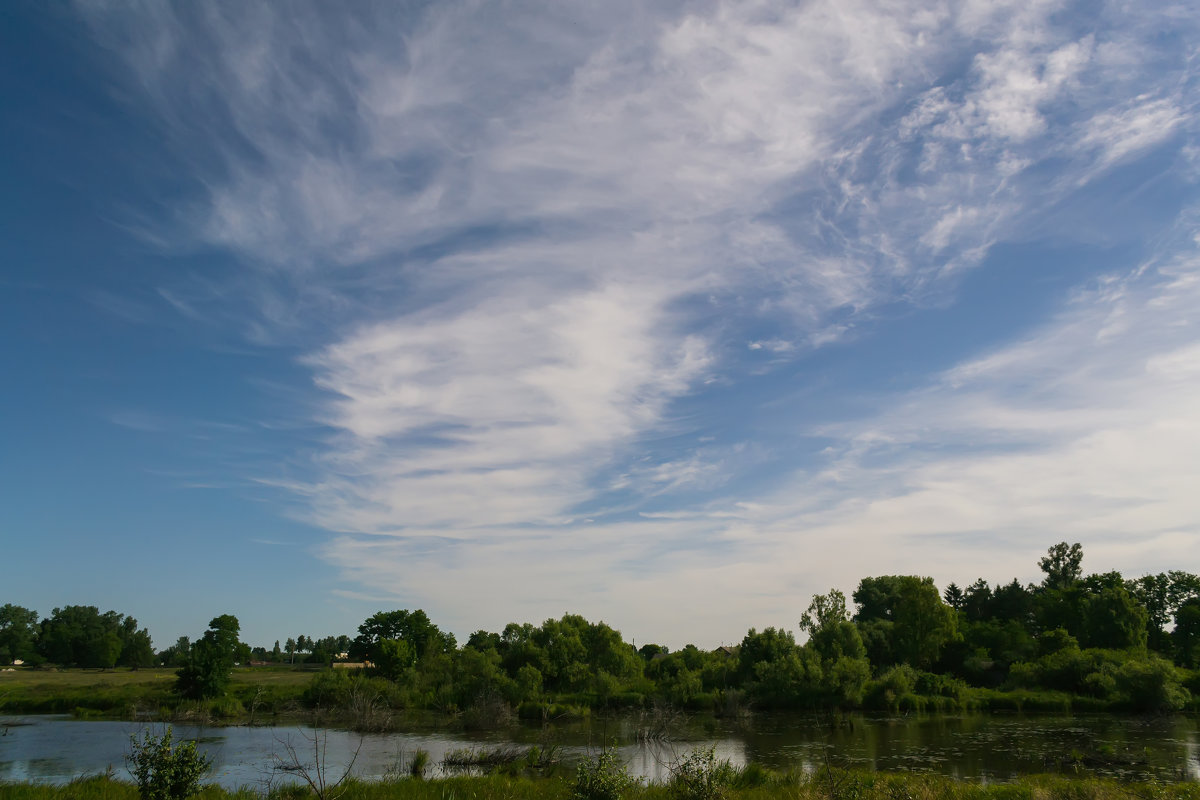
(973, 747)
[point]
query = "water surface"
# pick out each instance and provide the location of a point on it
(988, 747)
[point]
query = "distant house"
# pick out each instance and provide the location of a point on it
(259, 663)
(352, 665)
(727, 650)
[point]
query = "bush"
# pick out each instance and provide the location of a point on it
(163, 772)
(700, 776)
(1152, 685)
(601, 778)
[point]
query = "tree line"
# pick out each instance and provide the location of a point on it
(1073, 640)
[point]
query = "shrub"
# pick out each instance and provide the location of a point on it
(700, 776)
(1152, 685)
(601, 778)
(163, 772)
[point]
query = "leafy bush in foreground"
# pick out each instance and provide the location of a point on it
(163, 772)
(601, 778)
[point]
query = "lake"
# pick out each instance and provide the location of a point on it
(985, 747)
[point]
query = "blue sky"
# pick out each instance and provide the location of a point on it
(669, 314)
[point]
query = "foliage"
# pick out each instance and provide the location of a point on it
(1186, 636)
(602, 777)
(163, 771)
(701, 776)
(206, 670)
(1062, 565)
(1084, 641)
(18, 629)
(838, 644)
(412, 627)
(905, 620)
(82, 636)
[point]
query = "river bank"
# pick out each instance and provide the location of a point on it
(747, 784)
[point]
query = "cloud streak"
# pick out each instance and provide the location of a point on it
(524, 247)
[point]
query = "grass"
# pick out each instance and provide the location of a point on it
(124, 692)
(821, 785)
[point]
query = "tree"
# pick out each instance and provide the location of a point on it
(137, 649)
(904, 620)
(1114, 619)
(1186, 636)
(206, 672)
(977, 601)
(1062, 565)
(830, 632)
(18, 631)
(82, 636)
(413, 627)
(393, 657)
(1162, 595)
(772, 644)
(953, 596)
(839, 646)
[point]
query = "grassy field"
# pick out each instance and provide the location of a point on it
(124, 691)
(834, 785)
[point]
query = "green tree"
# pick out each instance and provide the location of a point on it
(413, 627)
(773, 644)
(18, 632)
(206, 671)
(830, 632)
(1114, 619)
(904, 619)
(1062, 565)
(1162, 595)
(792, 680)
(82, 636)
(393, 657)
(837, 643)
(137, 649)
(1186, 636)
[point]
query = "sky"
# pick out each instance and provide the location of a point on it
(669, 314)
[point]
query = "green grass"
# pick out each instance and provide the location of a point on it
(122, 692)
(823, 785)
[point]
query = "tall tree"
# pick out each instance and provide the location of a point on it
(1186, 636)
(1062, 565)
(206, 672)
(839, 646)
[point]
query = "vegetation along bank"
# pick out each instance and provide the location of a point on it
(1073, 642)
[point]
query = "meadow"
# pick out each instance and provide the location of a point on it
(128, 693)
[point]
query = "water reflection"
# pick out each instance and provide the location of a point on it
(980, 747)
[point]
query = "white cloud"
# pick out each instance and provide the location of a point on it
(523, 237)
